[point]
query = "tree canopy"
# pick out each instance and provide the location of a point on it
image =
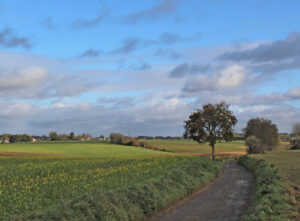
(264, 130)
(211, 123)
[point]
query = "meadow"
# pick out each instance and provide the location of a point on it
(192, 147)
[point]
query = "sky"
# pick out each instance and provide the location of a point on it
(142, 67)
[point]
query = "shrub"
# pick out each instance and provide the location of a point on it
(263, 129)
(254, 145)
(132, 142)
(120, 139)
(117, 138)
(295, 144)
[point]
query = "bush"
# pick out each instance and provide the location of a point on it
(117, 138)
(269, 202)
(296, 144)
(263, 129)
(254, 145)
(133, 142)
(120, 139)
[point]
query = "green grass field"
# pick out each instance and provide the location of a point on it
(78, 149)
(288, 162)
(192, 147)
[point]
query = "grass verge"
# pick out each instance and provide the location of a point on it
(135, 202)
(269, 201)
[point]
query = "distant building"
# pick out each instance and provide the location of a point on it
(6, 140)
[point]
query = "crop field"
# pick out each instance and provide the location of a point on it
(35, 183)
(192, 147)
(77, 148)
(288, 162)
(36, 176)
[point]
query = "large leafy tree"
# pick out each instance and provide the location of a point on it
(210, 124)
(264, 130)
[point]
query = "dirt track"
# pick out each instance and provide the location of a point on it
(225, 199)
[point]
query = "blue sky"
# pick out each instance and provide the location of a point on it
(141, 67)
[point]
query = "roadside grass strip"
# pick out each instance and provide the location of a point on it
(270, 199)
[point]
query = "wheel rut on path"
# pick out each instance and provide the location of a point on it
(227, 198)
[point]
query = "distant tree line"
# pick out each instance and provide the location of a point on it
(237, 136)
(117, 138)
(13, 138)
(53, 136)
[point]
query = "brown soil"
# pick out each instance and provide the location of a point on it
(227, 198)
(22, 154)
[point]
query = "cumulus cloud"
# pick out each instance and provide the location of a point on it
(9, 39)
(18, 81)
(163, 117)
(70, 85)
(49, 80)
(164, 8)
(227, 78)
(294, 93)
(243, 97)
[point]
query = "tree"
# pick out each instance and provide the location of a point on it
(211, 123)
(296, 129)
(264, 130)
(53, 136)
(71, 136)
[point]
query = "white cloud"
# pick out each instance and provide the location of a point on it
(227, 78)
(294, 92)
(20, 79)
(231, 77)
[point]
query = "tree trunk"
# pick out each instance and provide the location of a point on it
(213, 151)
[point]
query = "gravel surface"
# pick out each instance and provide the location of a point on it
(227, 198)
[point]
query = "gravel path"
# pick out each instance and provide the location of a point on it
(227, 198)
